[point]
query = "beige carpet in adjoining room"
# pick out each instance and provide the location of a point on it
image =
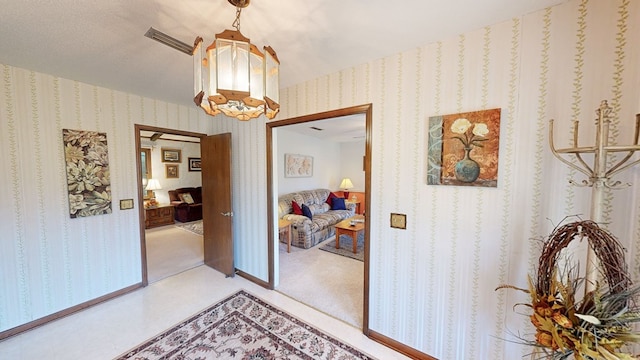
(171, 250)
(327, 282)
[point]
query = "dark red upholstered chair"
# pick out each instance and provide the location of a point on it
(185, 212)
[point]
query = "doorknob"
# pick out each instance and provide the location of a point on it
(228, 213)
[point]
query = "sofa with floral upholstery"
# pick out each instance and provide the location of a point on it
(318, 218)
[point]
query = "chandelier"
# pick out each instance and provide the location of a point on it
(233, 77)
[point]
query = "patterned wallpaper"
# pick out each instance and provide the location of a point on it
(249, 168)
(432, 285)
(49, 262)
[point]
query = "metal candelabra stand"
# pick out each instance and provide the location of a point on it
(599, 177)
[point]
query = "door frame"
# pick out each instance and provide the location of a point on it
(367, 110)
(143, 238)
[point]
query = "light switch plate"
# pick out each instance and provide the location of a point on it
(126, 204)
(398, 221)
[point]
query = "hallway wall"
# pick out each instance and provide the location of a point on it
(48, 261)
(432, 285)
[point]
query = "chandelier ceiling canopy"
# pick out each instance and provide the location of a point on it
(233, 77)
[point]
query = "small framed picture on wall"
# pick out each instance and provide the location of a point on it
(172, 155)
(172, 171)
(194, 164)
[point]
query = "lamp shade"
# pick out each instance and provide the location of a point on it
(233, 77)
(346, 184)
(153, 184)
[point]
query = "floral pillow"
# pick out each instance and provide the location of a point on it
(186, 197)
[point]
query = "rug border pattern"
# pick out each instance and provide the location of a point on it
(220, 305)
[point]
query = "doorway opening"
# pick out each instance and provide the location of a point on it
(171, 242)
(273, 194)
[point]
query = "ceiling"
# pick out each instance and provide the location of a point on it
(341, 129)
(103, 43)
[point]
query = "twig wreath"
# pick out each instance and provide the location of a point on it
(600, 324)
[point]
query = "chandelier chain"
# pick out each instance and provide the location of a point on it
(236, 22)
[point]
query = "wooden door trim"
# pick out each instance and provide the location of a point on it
(367, 110)
(143, 238)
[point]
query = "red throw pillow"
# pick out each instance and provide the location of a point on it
(330, 198)
(296, 208)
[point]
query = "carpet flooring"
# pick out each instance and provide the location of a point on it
(194, 227)
(243, 327)
(346, 247)
(172, 250)
(329, 283)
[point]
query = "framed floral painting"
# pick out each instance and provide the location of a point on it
(88, 181)
(463, 149)
(296, 165)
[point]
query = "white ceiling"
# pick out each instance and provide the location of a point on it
(339, 129)
(103, 43)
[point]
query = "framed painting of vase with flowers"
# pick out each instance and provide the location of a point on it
(463, 149)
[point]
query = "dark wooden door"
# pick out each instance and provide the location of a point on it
(217, 214)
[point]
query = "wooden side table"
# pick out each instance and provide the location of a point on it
(345, 227)
(285, 226)
(158, 216)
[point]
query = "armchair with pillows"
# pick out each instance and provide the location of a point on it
(187, 203)
(313, 215)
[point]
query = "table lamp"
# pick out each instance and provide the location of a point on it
(153, 184)
(346, 184)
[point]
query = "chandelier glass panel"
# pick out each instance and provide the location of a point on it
(233, 77)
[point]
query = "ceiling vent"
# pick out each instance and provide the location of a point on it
(169, 41)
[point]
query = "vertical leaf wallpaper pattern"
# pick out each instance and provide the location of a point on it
(50, 261)
(556, 63)
(432, 284)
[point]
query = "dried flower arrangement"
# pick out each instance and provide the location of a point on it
(598, 326)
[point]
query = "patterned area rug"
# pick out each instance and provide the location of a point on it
(243, 327)
(194, 226)
(346, 247)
